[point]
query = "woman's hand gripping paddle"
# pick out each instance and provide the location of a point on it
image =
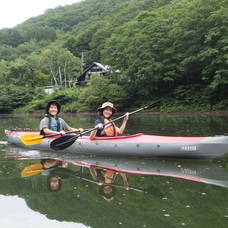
(67, 140)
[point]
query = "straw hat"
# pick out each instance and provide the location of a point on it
(107, 104)
(107, 191)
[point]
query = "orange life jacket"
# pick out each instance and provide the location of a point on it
(109, 176)
(110, 129)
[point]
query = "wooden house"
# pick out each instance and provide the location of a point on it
(95, 68)
(50, 89)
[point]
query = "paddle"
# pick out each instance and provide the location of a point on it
(67, 140)
(31, 170)
(32, 139)
(150, 190)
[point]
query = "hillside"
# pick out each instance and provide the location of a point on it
(175, 49)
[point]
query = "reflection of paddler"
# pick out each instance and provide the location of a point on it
(108, 192)
(105, 177)
(55, 170)
(54, 180)
(54, 183)
(50, 164)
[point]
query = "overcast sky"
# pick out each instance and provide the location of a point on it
(14, 12)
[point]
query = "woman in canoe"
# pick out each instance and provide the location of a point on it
(52, 124)
(110, 130)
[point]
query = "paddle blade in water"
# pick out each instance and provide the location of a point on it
(154, 191)
(31, 170)
(63, 142)
(31, 139)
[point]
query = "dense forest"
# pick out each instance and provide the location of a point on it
(174, 49)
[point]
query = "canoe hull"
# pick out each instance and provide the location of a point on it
(138, 145)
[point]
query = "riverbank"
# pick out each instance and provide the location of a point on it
(191, 112)
(143, 112)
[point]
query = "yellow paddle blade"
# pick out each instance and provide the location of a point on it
(31, 139)
(31, 170)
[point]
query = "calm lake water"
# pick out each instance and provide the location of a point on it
(162, 192)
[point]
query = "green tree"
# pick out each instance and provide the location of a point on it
(99, 90)
(175, 45)
(3, 72)
(10, 37)
(26, 48)
(13, 97)
(38, 33)
(19, 73)
(60, 63)
(8, 52)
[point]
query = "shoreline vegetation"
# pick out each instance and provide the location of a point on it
(219, 112)
(87, 99)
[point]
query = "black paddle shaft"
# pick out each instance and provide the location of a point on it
(67, 132)
(67, 140)
(154, 104)
(150, 190)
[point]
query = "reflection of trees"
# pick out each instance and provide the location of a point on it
(78, 201)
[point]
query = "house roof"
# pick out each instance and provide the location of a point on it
(104, 68)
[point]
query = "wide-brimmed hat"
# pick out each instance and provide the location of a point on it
(108, 104)
(107, 195)
(52, 103)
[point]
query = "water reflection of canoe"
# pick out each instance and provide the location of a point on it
(200, 171)
(138, 145)
(210, 172)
